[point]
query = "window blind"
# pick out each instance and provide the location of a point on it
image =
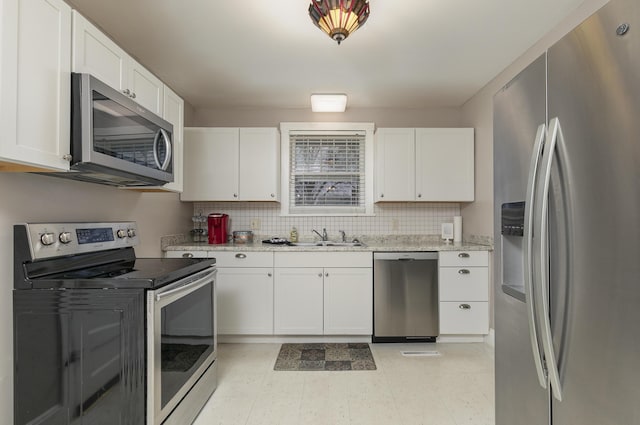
(327, 173)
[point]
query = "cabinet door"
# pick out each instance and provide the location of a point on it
(35, 83)
(245, 301)
(348, 301)
(210, 164)
(173, 107)
(444, 164)
(96, 54)
(298, 306)
(395, 164)
(259, 177)
(146, 88)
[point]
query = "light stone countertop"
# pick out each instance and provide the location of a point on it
(377, 243)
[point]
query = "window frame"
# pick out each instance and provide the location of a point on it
(286, 128)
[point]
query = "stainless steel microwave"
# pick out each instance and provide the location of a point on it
(114, 140)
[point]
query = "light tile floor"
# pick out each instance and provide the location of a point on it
(455, 388)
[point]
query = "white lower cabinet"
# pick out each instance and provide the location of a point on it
(298, 305)
(464, 292)
(331, 293)
(348, 301)
(245, 292)
(245, 301)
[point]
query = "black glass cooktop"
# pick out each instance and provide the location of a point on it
(134, 273)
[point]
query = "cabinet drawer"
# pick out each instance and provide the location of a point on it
(242, 258)
(464, 283)
(323, 259)
(463, 258)
(186, 254)
(465, 318)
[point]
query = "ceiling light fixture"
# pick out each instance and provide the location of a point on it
(328, 102)
(339, 18)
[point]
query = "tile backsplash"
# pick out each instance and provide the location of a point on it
(390, 219)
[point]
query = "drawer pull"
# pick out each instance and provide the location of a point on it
(464, 307)
(269, 274)
(241, 256)
(464, 271)
(463, 255)
(319, 274)
(187, 255)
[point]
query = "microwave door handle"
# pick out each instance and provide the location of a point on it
(167, 143)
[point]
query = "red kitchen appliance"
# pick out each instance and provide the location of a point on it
(218, 224)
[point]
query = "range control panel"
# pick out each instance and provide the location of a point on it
(56, 239)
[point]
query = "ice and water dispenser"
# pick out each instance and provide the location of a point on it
(512, 248)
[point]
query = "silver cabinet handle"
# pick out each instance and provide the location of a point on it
(269, 274)
(464, 307)
(326, 275)
(419, 195)
(127, 92)
(67, 157)
(555, 136)
(187, 255)
(273, 195)
(464, 271)
(382, 195)
(463, 255)
(235, 195)
(319, 274)
(241, 256)
(133, 95)
(529, 207)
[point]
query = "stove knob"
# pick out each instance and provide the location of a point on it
(131, 233)
(65, 237)
(121, 233)
(47, 238)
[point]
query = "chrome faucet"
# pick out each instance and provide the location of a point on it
(344, 235)
(323, 236)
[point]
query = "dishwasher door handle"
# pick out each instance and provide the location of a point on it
(405, 256)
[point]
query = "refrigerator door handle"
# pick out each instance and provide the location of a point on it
(555, 135)
(528, 253)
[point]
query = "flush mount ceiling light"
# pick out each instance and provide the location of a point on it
(328, 102)
(339, 18)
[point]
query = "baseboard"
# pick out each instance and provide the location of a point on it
(460, 338)
(280, 339)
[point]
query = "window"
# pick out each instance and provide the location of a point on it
(327, 171)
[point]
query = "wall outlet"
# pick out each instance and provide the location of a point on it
(255, 224)
(395, 224)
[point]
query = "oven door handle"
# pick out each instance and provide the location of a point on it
(188, 287)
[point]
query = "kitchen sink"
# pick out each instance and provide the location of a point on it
(327, 243)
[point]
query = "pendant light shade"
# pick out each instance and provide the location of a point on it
(339, 18)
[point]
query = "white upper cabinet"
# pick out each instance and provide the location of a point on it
(173, 111)
(231, 164)
(35, 49)
(444, 164)
(259, 164)
(96, 54)
(424, 164)
(395, 164)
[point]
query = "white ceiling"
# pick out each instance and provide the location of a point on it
(268, 54)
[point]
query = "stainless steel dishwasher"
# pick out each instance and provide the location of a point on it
(405, 297)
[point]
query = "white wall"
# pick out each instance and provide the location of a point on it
(32, 198)
(478, 113)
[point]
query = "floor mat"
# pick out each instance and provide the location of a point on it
(329, 356)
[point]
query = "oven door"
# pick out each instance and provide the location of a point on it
(181, 341)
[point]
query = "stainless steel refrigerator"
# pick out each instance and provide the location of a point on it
(567, 223)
